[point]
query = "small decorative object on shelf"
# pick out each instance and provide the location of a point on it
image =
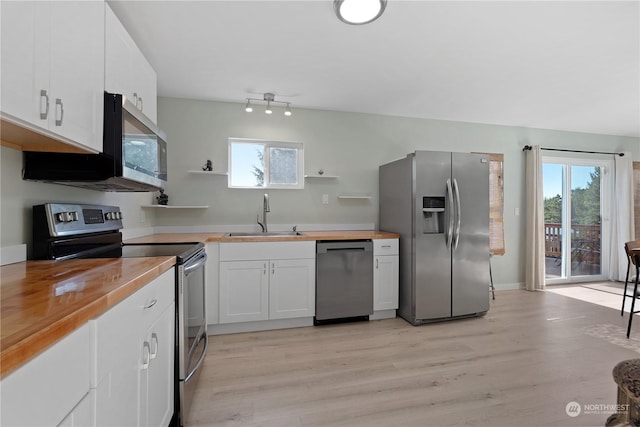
(162, 199)
(208, 166)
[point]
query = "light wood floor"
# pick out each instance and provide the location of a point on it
(519, 365)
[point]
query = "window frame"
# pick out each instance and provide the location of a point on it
(496, 203)
(268, 145)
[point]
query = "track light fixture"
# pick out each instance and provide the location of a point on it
(358, 12)
(269, 98)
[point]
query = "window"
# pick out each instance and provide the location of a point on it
(256, 163)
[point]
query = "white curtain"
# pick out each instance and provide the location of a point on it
(622, 227)
(534, 265)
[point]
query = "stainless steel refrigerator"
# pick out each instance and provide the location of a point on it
(439, 204)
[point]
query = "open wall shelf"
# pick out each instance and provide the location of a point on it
(173, 207)
(196, 172)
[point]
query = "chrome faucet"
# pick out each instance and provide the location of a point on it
(265, 209)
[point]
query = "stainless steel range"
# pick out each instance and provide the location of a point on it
(64, 231)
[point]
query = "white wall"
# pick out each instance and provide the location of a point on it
(346, 144)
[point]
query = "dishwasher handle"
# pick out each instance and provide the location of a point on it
(323, 247)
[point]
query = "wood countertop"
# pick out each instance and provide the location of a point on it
(43, 301)
(224, 237)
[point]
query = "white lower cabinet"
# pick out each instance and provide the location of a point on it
(134, 353)
(46, 390)
(385, 274)
(266, 281)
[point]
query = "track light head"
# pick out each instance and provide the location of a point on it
(248, 108)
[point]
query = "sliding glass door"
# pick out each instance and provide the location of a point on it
(576, 213)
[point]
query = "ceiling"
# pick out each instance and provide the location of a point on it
(543, 64)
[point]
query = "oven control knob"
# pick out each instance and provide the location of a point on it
(67, 216)
(109, 215)
(118, 215)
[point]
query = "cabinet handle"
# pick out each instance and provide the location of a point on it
(377, 263)
(59, 103)
(154, 345)
(151, 304)
(264, 266)
(45, 95)
(385, 246)
(273, 268)
(146, 355)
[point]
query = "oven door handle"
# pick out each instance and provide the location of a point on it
(200, 359)
(196, 263)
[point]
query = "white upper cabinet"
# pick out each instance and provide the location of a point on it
(53, 69)
(127, 71)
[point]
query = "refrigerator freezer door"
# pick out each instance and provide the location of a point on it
(470, 266)
(432, 263)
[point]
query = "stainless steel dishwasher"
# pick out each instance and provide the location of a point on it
(344, 280)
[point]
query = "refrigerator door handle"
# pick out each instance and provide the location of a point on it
(449, 235)
(458, 211)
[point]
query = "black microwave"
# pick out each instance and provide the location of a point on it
(133, 158)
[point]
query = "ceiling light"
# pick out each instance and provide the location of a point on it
(269, 98)
(358, 12)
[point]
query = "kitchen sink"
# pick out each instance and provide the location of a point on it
(267, 234)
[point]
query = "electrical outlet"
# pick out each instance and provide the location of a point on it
(516, 211)
(325, 199)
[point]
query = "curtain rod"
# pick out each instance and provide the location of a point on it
(528, 147)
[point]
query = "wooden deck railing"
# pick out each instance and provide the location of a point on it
(585, 242)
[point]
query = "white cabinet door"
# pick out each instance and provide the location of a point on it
(292, 288)
(385, 282)
(117, 396)
(156, 378)
(244, 291)
(127, 71)
(77, 71)
(25, 60)
(145, 85)
(117, 54)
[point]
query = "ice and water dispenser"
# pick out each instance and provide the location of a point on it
(432, 215)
